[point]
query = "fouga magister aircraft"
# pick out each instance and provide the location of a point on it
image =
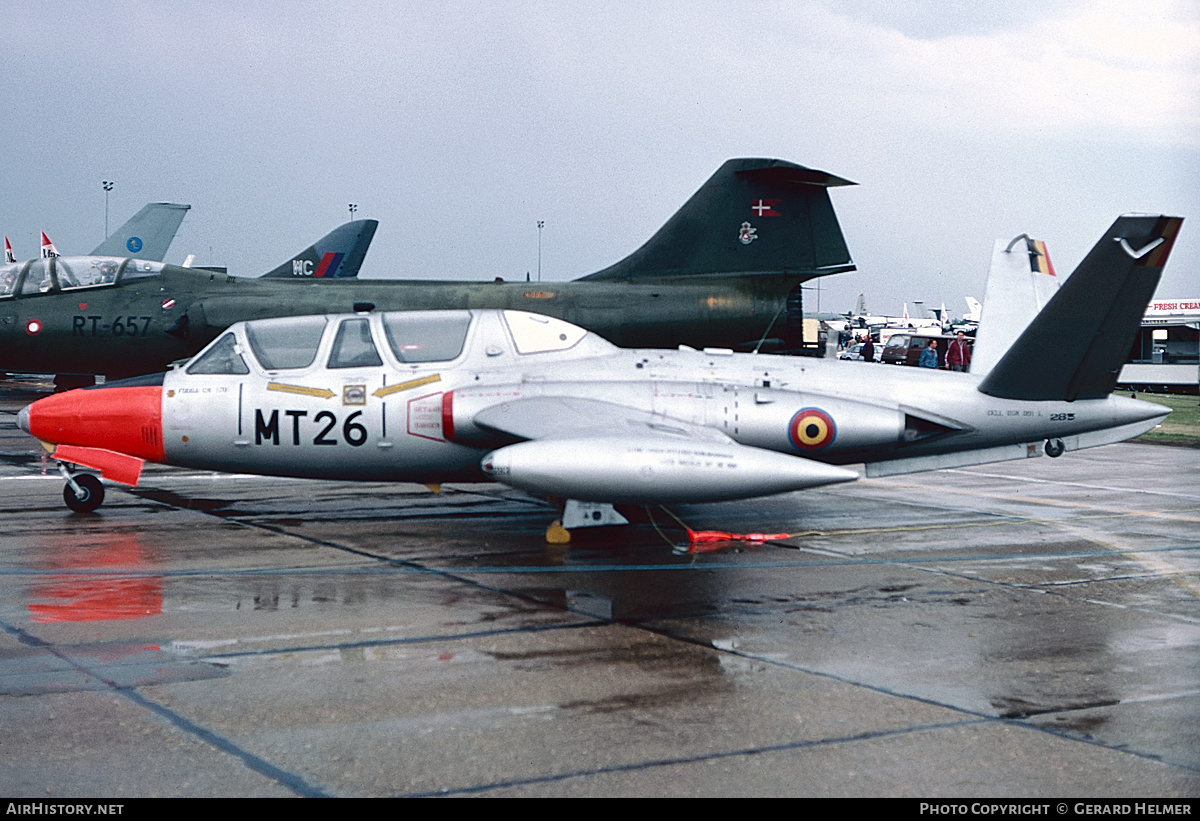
(544, 406)
(719, 272)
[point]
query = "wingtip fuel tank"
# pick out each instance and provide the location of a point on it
(654, 470)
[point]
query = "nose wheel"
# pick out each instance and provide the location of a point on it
(83, 492)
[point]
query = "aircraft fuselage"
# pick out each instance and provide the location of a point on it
(142, 325)
(696, 425)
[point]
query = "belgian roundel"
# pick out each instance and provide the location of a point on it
(812, 429)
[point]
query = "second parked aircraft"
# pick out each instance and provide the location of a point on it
(718, 273)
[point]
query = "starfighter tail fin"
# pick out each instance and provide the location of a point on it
(8, 254)
(48, 249)
(338, 254)
(1074, 348)
(1020, 283)
(147, 234)
(754, 217)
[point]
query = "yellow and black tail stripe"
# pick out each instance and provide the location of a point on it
(812, 429)
(1039, 258)
(1167, 228)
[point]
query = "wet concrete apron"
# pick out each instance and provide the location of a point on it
(1020, 629)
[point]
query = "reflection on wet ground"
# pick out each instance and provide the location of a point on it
(1027, 629)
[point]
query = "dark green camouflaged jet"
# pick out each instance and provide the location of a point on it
(724, 271)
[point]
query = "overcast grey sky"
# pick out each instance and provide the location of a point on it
(459, 125)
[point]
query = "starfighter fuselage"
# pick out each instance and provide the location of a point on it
(162, 313)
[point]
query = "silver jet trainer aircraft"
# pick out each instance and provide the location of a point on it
(544, 406)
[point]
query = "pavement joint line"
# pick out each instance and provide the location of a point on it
(384, 564)
(1162, 697)
(459, 576)
(1166, 574)
(1051, 591)
(1084, 485)
(293, 782)
(428, 639)
(1015, 721)
(1005, 517)
(1008, 518)
(383, 560)
(695, 759)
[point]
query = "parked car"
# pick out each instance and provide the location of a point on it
(855, 352)
(905, 349)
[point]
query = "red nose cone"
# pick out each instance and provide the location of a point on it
(125, 420)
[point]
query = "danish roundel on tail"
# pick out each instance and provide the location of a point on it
(753, 217)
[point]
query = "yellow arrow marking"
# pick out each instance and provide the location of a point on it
(324, 393)
(403, 386)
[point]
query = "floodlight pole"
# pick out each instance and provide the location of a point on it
(108, 186)
(541, 225)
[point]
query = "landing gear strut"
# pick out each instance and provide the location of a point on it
(577, 514)
(83, 492)
(1055, 447)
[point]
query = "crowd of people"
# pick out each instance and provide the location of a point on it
(957, 356)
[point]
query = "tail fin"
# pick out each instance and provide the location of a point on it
(8, 254)
(338, 254)
(147, 234)
(974, 309)
(752, 217)
(48, 249)
(1075, 347)
(1020, 283)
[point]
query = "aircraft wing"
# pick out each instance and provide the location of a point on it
(562, 417)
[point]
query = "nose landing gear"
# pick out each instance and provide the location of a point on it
(1055, 448)
(83, 492)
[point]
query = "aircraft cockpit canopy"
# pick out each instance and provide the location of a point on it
(286, 343)
(426, 336)
(294, 342)
(364, 341)
(535, 333)
(53, 274)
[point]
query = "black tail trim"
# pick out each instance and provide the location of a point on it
(1075, 347)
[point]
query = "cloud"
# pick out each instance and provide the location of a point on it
(1114, 70)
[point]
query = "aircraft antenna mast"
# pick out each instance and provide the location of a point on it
(353, 208)
(108, 186)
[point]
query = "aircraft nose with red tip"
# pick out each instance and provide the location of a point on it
(124, 417)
